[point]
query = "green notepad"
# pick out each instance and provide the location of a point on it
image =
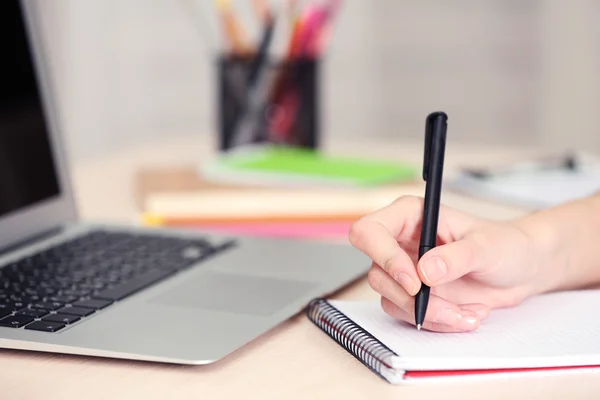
(293, 166)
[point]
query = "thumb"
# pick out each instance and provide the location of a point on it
(451, 261)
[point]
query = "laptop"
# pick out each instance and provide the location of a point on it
(96, 289)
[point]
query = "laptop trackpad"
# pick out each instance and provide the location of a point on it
(234, 293)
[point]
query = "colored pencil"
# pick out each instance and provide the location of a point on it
(234, 32)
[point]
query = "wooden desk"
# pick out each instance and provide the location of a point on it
(295, 360)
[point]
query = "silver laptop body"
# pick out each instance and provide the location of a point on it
(160, 295)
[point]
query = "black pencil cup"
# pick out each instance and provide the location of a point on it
(280, 106)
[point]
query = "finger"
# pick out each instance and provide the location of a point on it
(373, 239)
(451, 261)
(402, 219)
(401, 215)
(439, 310)
(396, 312)
(481, 310)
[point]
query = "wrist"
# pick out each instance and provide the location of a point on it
(563, 245)
(545, 255)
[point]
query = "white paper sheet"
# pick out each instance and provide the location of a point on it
(533, 189)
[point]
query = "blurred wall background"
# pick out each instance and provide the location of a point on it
(506, 71)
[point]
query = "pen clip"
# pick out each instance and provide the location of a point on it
(429, 123)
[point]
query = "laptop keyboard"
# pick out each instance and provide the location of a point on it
(71, 281)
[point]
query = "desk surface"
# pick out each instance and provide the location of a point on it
(294, 360)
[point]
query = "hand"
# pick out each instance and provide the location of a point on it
(478, 264)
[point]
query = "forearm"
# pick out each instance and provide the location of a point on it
(566, 242)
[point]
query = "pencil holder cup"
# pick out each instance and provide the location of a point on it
(275, 103)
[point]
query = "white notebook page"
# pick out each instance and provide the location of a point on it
(560, 329)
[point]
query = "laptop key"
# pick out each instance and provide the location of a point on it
(12, 306)
(92, 303)
(46, 326)
(18, 300)
(4, 312)
(48, 305)
(128, 288)
(62, 318)
(75, 292)
(16, 321)
(80, 312)
(63, 299)
(32, 312)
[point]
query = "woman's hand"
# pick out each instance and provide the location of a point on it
(478, 264)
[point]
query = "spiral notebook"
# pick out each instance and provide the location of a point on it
(548, 334)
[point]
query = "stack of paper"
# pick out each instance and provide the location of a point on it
(298, 213)
(180, 197)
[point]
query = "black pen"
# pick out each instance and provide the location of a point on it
(262, 54)
(433, 167)
(258, 80)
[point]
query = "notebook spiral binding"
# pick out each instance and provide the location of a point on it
(358, 342)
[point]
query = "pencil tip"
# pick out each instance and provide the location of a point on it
(419, 327)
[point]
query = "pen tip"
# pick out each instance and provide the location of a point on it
(419, 327)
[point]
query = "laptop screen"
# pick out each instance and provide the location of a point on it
(27, 171)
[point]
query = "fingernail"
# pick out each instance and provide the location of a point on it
(448, 317)
(434, 269)
(406, 281)
(468, 320)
